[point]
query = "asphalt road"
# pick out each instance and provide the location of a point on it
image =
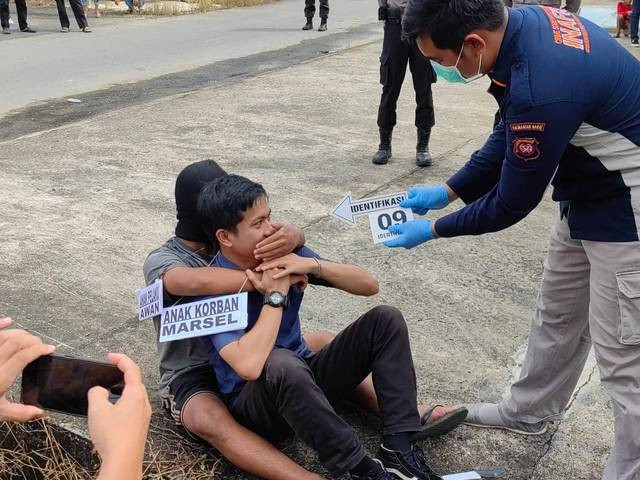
(124, 49)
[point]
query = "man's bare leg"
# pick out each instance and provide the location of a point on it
(207, 416)
(365, 394)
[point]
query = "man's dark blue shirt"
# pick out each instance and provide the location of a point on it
(570, 116)
(289, 335)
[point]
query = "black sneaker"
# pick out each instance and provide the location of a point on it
(634, 43)
(409, 465)
(380, 474)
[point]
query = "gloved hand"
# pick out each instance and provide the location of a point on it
(422, 199)
(382, 13)
(413, 232)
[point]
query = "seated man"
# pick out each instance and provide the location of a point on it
(187, 383)
(272, 382)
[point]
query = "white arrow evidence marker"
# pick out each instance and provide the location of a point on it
(383, 211)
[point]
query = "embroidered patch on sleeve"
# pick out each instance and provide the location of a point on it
(526, 149)
(527, 127)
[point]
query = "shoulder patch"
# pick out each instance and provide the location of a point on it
(526, 149)
(527, 127)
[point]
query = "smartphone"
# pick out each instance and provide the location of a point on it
(60, 383)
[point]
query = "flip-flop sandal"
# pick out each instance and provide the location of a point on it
(440, 426)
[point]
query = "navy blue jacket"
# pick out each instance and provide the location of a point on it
(570, 116)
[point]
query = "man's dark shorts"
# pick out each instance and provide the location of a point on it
(186, 386)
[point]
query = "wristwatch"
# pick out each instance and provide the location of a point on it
(276, 299)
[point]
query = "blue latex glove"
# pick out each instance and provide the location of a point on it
(422, 199)
(412, 233)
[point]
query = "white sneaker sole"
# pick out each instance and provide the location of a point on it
(514, 430)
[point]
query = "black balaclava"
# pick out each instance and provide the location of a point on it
(188, 185)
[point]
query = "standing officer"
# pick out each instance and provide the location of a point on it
(393, 66)
(310, 11)
(570, 108)
(21, 9)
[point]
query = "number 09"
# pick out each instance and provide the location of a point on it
(385, 220)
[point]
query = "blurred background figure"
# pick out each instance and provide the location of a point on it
(310, 11)
(623, 15)
(21, 8)
(78, 12)
(396, 54)
(96, 5)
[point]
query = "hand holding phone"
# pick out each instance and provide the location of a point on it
(119, 430)
(17, 349)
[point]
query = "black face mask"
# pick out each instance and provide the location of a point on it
(188, 185)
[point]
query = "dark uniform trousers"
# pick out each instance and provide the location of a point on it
(298, 394)
(393, 66)
(21, 8)
(78, 12)
(310, 8)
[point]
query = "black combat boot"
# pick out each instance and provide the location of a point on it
(383, 154)
(323, 25)
(423, 157)
(309, 24)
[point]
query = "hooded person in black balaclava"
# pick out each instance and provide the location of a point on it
(188, 185)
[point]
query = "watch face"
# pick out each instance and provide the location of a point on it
(276, 298)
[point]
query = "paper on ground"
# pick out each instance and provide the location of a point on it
(462, 476)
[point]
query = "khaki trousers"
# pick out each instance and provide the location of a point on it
(590, 295)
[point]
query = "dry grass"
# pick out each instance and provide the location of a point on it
(170, 456)
(160, 8)
(241, 3)
(41, 3)
(34, 452)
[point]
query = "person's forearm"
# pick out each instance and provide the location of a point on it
(301, 238)
(350, 278)
(248, 355)
(482, 172)
(191, 282)
(123, 467)
(450, 193)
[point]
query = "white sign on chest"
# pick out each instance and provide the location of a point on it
(204, 317)
(149, 300)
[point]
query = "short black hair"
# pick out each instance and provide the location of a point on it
(223, 201)
(448, 22)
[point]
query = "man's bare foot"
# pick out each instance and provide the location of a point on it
(438, 412)
(438, 420)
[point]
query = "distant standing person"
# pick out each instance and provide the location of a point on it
(635, 18)
(393, 66)
(78, 12)
(21, 8)
(96, 5)
(310, 11)
(623, 13)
